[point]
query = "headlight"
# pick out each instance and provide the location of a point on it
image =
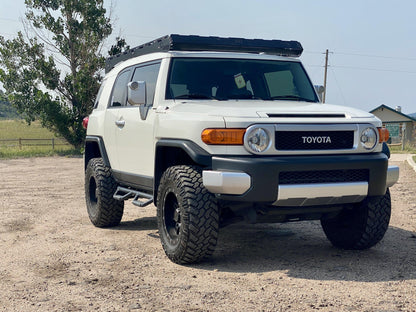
(369, 138)
(257, 140)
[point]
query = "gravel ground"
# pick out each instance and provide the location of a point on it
(54, 259)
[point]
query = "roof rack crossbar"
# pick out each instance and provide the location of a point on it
(176, 42)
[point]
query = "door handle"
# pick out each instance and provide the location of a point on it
(120, 123)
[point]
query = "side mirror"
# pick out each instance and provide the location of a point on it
(136, 93)
(320, 90)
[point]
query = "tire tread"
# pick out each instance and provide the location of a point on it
(200, 235)
(109, 211)
(361, 228)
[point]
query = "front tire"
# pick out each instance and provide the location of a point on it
(100, 186)
(361, 227)
(187, 214)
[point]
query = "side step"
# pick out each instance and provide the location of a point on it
(123, 193)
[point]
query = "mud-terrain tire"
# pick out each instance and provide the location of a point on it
(361, 227)
(187, 214)
(100, 186)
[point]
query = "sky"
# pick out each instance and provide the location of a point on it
(372, 44)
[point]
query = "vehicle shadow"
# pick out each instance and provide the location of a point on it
(140, 224)
(302, 250)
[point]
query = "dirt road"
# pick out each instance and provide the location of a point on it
(54, 259)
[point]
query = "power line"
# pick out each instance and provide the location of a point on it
(353, 68)
(312, 52)
(403, 58)
(378, 56)
(339, 88)
(375, 69)
(366, 68)
(325, 75)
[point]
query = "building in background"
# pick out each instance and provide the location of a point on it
(402, 127)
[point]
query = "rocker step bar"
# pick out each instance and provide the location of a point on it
(123, 193)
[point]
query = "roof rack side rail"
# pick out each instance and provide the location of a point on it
(176, 42)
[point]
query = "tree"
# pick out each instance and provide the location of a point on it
(120, 47)
(54, 76)
(7, 111)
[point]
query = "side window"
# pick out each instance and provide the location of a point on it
(148, 73)
(100, 91)
(119, 95)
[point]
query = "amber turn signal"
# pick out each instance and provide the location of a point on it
(383, 135)
(223, 136)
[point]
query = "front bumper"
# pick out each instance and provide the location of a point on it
(256, 179)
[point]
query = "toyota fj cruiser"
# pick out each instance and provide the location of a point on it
(222, 130)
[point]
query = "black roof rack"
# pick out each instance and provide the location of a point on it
(198, 43)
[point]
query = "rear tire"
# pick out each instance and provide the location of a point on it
(361, 227)
(187, 214)
(100, 186)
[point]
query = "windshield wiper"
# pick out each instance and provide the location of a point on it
(291, 98)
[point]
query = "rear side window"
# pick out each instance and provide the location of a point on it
(149, 74)
(100, 91)
(119, 95)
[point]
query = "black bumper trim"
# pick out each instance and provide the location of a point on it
(264, 171)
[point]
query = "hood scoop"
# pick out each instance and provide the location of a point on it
(289, 115)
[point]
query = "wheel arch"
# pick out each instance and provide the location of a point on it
(172, 152)
(95, 148)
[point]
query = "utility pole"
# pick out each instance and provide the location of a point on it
(326, 71)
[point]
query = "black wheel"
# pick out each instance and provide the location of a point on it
(187, 214)
(361, 227)
(100, 186)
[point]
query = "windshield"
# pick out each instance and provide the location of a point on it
(224, 79)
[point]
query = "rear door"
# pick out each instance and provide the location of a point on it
(118, 99)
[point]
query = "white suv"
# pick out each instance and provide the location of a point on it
(222, 130)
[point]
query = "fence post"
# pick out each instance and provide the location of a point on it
(53, 143)
(20, 143)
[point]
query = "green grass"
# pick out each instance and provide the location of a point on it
(408, 149)
(15, 129)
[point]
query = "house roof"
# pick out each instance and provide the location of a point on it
(394, 111)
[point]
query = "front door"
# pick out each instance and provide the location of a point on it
(134, 135)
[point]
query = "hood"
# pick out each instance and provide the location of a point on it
(268, 109)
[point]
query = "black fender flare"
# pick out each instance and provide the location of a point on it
(192, 154)
(193, 150)
(95, 147)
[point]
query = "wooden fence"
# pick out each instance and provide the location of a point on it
(20, 142)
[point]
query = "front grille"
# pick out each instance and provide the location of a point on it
(314, 140)
(323, 176)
